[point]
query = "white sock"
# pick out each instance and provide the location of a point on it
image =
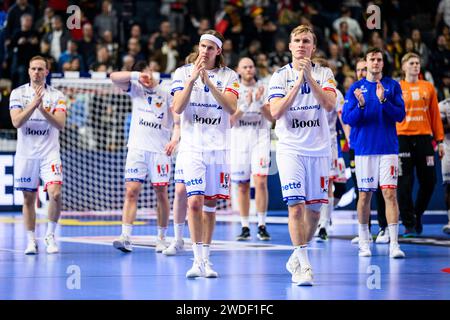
(31, 235)
(330, 209)
(262, 218)
(323, 221)
(126, 229)
(197, 248)
(363, 232)
(205, 251)
(245, 221)
(162, 232)
(302, 255)
(179, 229)
(393, 233)
(51, 226)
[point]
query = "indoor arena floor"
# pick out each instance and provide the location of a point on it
(88, 267)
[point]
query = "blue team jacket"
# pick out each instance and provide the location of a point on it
(373, 130)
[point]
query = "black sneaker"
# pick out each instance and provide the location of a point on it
(263, 235)
(245, 234)
(322, 236)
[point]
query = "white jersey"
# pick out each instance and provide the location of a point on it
(204, 123)
(332, 116)
(37, 138)
(151, 119)
(303, 128)
(444, 108)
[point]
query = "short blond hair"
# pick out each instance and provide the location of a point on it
(304, 29)
(410, 55)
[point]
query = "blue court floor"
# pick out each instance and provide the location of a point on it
(88, 267)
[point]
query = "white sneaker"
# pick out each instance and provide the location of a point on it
(292, 264)
(383, 236)
(175, 247)
(303, 276)
(209, 272)
(395, 252)
(197, 270)
(364, 249)
(446, 228)
(50, 242)
(161, 245)
(355, 240)
(123, 244)
(32, 247)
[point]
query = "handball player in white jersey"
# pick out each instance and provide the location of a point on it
(149, 149)
(250, 147)
(38, 111)
(205, 94)
(300, 95)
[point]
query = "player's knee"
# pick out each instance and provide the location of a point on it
(55, 194)
(161, 191)
(180, 190)
(132, 193)
(261, 183)
(364, 197)
(29, 198)
(244, 187)
(390, 195)
(296, 211)
(195, 204)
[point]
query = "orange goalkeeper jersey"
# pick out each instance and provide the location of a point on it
(422, 110)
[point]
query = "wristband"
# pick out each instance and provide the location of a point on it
(135, 75)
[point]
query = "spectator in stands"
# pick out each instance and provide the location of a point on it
(280, 56)
(168, 57)
(420, 47)
(24, 45)
(261, 30)
(136, 33)
(262, 68)
(70, 54)
(252, 51)
(203, 25)
(127, 63)
(344, 39)
(103, 58)
(164, 34)
(443, 13)
(440, 60)
(230, 57)
(87, 46)
(57, 38)
(44, 24)
(106, 20)
(112, 46)
(45, 52)
(16, 11)
(134, 49)
(354, 29)
(396, 50)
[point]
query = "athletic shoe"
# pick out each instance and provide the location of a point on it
(419, 225)
(409, 233)
(197, 270)
(382, 236)
(364, 249)
(395, 252)
(245, 234)
(161, 245)
(32, 247)
(123, 244)
(50, 242)
(209, 272)
(355, 240)
(263, 235)
(292, 264)
(323, 236)
(446, 228)
(175, 247)
(303, 276)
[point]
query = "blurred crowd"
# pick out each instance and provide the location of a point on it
(114, 35)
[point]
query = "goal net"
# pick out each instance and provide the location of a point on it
(93, 149)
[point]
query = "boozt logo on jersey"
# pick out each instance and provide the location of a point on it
(23, 179)
(243, 123)
(367, 180)
(291, 186)
(32, 132)
(194, 182)
(202, 120)
(153, 125)
(303, 124)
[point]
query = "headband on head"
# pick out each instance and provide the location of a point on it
(212, 38)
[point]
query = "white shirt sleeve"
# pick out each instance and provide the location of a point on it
(277, 87)
(178, 80)
(233, 83)
(15, 100)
